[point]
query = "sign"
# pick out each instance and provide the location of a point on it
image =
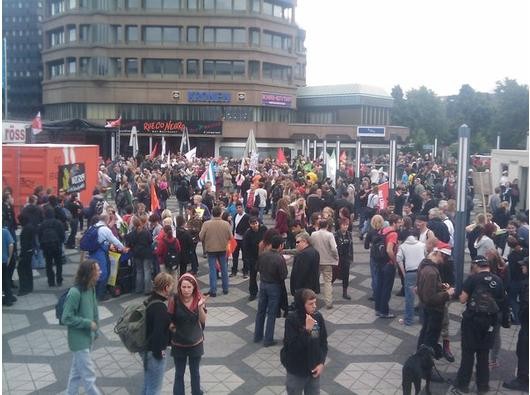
(204, 128)
(370, 131)
(383, 195)
(72, 178)
(209, 97)
(274, 100)
(482, 183)
(13, 132)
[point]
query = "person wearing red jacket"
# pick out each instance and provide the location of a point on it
(282, 217)
(166, 239)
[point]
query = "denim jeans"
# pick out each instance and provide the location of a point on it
(212, 257)
(153, 373)
(410, 283)
(385, 280)
(144, 272)
(261, 211)
(182, 209)
(269, 303)
(514, 288)
(296, 385)
(82, 370)
(431, 328)
(373, 274)
(180, 369)
(74, 222)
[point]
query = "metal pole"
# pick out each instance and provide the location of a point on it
(308, 148)
(337, 155)
(461, 205)
(113, 146)
(358, 160)
(150, 144)
(435, 153)
(314, 150)
(498, 141)
(4, 60)
(325, 151)
(392, 167)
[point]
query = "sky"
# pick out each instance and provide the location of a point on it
(441, 44)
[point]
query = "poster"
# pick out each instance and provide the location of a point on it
(72, 178)
(114, 258)
(383, 195)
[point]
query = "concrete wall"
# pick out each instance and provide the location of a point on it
(517, 163)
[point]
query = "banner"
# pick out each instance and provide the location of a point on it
(383, 195)
(14, 132)
(204, 128)
(72, 178)
(114, 258)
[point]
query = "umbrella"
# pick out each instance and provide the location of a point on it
(250, 146)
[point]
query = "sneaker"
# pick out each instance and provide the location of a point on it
(245, 276)
(232, 275)
(270, 344)
(389, 315)
(211, 294)
(225, 292)
(515, 385)
(251, 298)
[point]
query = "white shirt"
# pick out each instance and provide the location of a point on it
(262, 196)
(237, 219)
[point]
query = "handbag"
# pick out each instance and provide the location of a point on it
(37, 260)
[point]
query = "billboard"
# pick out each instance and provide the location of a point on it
(275, 100)
(14, 132)
(370, 131)
(203, 128)
(72, 178)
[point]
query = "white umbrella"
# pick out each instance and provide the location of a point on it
(133, 140)
(250, 146)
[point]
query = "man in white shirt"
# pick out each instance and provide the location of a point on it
(262, 193)
(240, 225)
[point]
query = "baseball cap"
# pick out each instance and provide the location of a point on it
(480, 261)
(442, 247)
(421, 217)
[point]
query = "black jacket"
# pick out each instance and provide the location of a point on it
(242, 226)
(140, 243)
(314, 204)
(157, 326)
(302, 351)
(187, 246)
(51, 231)
(251, 241)
(31, 213)
(305, 272)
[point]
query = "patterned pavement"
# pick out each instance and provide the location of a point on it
(365, 353)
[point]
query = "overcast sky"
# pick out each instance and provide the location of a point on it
(441, 44)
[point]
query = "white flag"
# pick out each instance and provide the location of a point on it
(191, 154)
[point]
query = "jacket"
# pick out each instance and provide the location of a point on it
(251, 242)
(344, 246)
(324, 242)
(140, 243)
(305, 273)
(410, 253)
(80, 309)
(282, 225)
(161, 247)
(51, 231)
(430, 291)
(272, 267)
(215, 235)
(302, 350)
(242, 225)
(157, 322)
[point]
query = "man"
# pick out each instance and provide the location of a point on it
(305, 271)
(80, 315)
(74, 206)
(427, 202)
(201, 209)
(51, 238)
(343, 202)
(314, 201)
(495, 200)
(183, 197)
(240, 224)
(273, 272)
(305, 345)
(215, 235)
(437, 226)
(484, 296)
(262, 203)
(101, 255)
(386, 271)
(443, 205)
(324, 242)
(433, 294)
(250, 249)
(424, 232)
(8, 247)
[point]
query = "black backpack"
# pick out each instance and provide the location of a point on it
(482, 300)
(378, 248)
(172, 259)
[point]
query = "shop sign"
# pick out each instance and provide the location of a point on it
(13, 132)
(370, 131)
(209, 97)
(272, 99)
(208, 128)
(72, 178)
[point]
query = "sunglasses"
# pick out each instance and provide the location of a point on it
(299, 241)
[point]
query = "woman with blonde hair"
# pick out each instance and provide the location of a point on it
(377, 223)
(282, 217)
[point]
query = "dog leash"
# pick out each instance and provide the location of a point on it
(454, 390)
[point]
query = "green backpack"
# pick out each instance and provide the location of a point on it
(131, 326)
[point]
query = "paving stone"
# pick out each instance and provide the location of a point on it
(266, 361)
(116, 362)
(363, 342)
(12, 322)
(218, 344)
(215, 379)
(43, 342)
(25, 378)
(350, 314)
(372, 378)
(224, 316)
(279, 329)
(34, 301)
(50, 318)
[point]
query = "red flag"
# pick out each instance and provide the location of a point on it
(343, 157)
(153, 153)
(280, 158)
(36, 124)
(154, 199)
(114, 124)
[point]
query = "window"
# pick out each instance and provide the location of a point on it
(240, 5)
(171, 4)
(56, 69)
(115, 34)
(171, 35)
(153, 4)
(132, 4)
(223, 4)
(71, 33)
(172, 67)
(115, 67)
(277, 41)
(192, 67)
(71, 64)
(254, 37)
(209, 35)
(56, 7)
(153, 34)
(56, 38)
(131, 66)
(131, 33)
(72, 5)
(208, 67)
(224, 68)
(209, 4)
(267, 8)
(193, 5)
(161, 67)
(239, 69)
(239, 36)
(223, 35)
(253, 69)
(193, 34)
(84, 31)
(276, 72)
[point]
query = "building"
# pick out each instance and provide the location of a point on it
(217, 67)
(22, 34)
(516, 163)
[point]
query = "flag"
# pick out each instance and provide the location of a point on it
(154, 199)
(208, 175)
(280, 156)
(331, 167)
(153, 153)
(191, 154)
(163, 152)
(133, 141)
(184, 141)
(114, 124)
(36, 124)
(168, 159)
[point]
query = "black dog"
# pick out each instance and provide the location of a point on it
(416, 367)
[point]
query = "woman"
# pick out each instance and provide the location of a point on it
(377, 222)
(157, 332)
(140, 241)
(299, 211)
(188, 317)
(501, 216)
(344, 240)
(166, 240)
(232, 209)
(282, 217)
(484, 241)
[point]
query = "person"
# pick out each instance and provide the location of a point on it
(105, 240)
(478, 325)
(162, 246)
(187, 245)
(80, 315)
(262, 200)
(305, 271)
(344, 240)
(517, 253)
(74, 206)
(282, 217)
(305, 345)
(324, 242)
(183, 197)
(28, 236)
(51, 238)
(215, 235)
(377, 223)
(157, 321)
(433, 294)
(140, 241)
(9, 220)
(409, 256)
(8, 248)
(188, 317)
(520, 382)
(273, 272)
(240, 226)
(251, 241)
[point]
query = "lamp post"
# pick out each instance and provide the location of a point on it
(392, 167)
(358, 160)
(315, 149)
(461, 204)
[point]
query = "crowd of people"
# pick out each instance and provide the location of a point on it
(315, 219)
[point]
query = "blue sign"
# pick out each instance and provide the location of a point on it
(370, 131)
(209, 97)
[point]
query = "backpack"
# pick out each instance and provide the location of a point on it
(59, 307)
(131, 326)
(378, 248)
(172, 258)
(482, 300)
(89, 240)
